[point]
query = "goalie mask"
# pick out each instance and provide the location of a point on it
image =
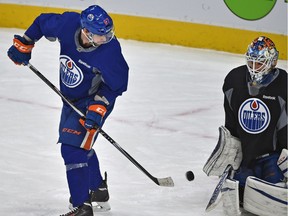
(96, 23)
(261, 58)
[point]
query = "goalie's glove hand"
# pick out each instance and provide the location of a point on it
(94, 115)
(20, 51)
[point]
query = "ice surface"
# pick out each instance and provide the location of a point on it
(167, 120)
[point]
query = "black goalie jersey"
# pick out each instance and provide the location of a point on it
(258, 119)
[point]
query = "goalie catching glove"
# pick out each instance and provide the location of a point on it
(94, 116)
(20, 51)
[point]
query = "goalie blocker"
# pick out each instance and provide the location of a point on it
(228, 151)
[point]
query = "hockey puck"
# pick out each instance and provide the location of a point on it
(190, 175)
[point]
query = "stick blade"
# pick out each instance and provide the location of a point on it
(165, 182)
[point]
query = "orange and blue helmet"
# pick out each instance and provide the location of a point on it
(261, 57)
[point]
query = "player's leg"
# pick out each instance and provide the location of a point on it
(266, 194)
(241, 175)
(233, 192)
(270, 170)
(77, 172)
(98, 186)
(230, 198)
(95, 178)
(264, 198)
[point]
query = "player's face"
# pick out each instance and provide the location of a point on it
(257, 66)
(96, 39)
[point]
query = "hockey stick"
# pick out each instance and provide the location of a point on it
(167, 182)
(212, 202)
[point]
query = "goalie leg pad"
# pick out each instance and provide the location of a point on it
(227, 151)
(264, 198)
(230, 198)
(283, 162)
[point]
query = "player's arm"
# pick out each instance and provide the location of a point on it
(114, 83)
(20, 51)
(95, 113)
(97, 108)
(282, 126)
(282, 138)
(230, 114)
(45, 24)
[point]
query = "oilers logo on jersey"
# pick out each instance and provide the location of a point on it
(254, 116)
(70, 74)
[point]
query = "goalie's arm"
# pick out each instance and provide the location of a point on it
(230, 116)
(282, 126)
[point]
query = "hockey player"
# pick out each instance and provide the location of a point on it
(93, 73)
(255, 133)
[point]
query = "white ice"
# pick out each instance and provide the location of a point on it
(167, 120)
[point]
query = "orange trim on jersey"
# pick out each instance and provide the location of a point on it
(88, 140)
(82, 122)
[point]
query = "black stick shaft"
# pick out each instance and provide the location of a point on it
(114, 143)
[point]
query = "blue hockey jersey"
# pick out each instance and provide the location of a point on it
(84, 72)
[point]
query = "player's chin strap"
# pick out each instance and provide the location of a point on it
(167, 182)
(89, 38)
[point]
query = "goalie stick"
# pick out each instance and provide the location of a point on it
(212, 202)
(166, 182)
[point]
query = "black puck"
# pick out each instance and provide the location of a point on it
(190, 175)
